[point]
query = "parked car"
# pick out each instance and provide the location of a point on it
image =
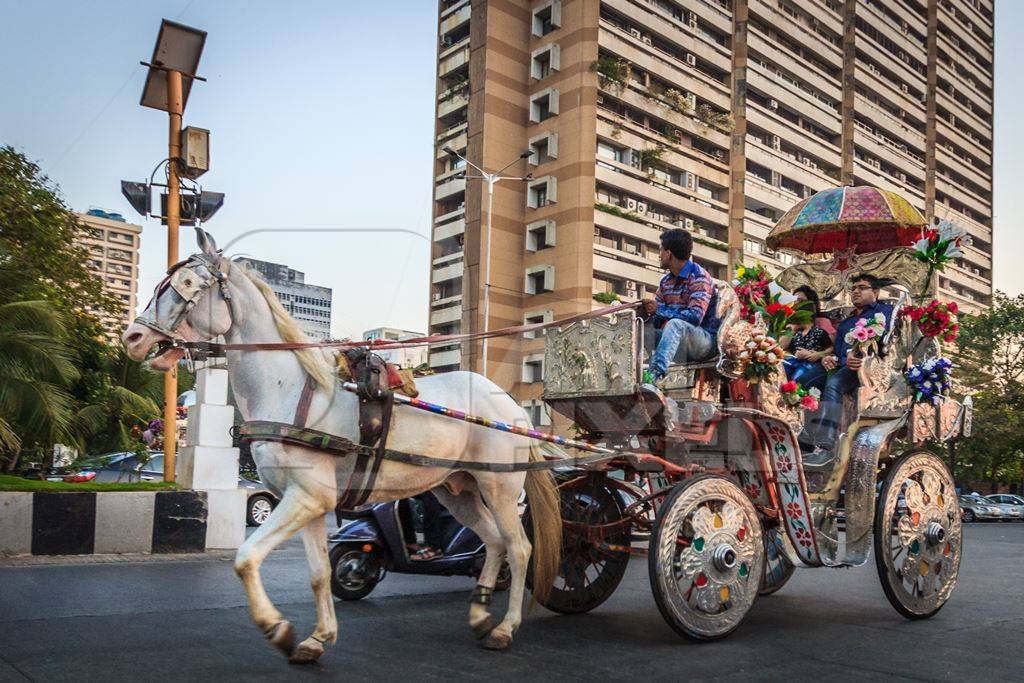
(975, 508)
(260, 502)
(1011, 506)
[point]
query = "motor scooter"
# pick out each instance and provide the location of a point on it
(373, 543)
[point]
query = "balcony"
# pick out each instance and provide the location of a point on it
(606, 265)
(454, 20)
(443, 232)
(787, 165)
(777, 198)
(453, 103)
(449, 188)
(775, 87)
(804, 34)
(785, 59)
(450, 64)
(440, 359)
(448, 258)
(446, 273)
(672, 30)
(774, 124)
(958, 164)
(893, 126)
(965, 117)
(451, 215)
(443, 316)
(709, 210)
(887, 149)
(687, 158)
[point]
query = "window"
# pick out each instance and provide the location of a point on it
(533, 368)
(540, 235)
(540, 279)
(545, 60)
(535, 317)
(544, 105)
(541, 192)
(547, 17)
(538, 412)
(544, 147)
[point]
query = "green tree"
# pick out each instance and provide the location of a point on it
(990, 360)
(61, 381)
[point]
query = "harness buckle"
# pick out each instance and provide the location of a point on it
(204, 350)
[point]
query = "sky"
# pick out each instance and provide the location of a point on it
(321, 119)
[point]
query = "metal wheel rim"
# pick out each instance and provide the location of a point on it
(921, 572)
(707, 600)
(260, 510)
(344, 570)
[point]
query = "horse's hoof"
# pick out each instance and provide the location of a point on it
(282, 636)
(497, 641)
(484, 627)
(307, 652)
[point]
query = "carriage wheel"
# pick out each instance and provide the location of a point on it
(918, 535)
(706, 557)
(777, 567)
(591, 569)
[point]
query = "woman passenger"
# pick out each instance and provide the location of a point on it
(808, 344)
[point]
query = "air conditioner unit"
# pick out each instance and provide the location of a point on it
(647, 39)
(630, 286)
(904, 87)
(813, 165)
(692, 21)
(630, 204)
(641, 207)
(688, 223)
(436, 296)
(773, 105)
(691, 59)
(600, 99)
(776, 142)
(903, 177)
(635, 33)
(904, 28)
(691, 101)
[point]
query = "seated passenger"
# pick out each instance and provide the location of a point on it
(808, 344)
(842, 368)
(682, 319)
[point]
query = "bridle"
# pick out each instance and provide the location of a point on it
(189, 280)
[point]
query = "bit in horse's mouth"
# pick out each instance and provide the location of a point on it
(163, 346)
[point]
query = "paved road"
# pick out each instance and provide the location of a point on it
(187, 620)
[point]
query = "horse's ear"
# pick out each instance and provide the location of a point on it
(206, 243)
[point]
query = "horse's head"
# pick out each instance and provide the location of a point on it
(189, 304)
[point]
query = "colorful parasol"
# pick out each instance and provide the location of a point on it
(861, 219)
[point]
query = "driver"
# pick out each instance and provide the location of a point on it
(843, 367)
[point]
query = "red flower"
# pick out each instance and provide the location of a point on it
(803, 536)
(789, 386)
(783, 465)
(953, 308)
(753, 490)
(794, 510)
(774, 308)
(809, 402)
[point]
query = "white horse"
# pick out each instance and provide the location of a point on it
(207, 296)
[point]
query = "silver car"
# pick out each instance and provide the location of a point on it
(976, 508)
(1010, 504)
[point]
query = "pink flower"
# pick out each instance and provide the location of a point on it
(870, 332)
(809, 402)
(861, 322)
(860, 334)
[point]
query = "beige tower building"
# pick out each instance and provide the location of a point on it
(113, 246)
(710, 115)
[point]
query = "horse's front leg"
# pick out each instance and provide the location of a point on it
(314, 537)
(293, 512)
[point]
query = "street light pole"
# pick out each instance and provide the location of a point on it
(175, 108)
(491, 179)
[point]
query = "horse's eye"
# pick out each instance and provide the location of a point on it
(188, 283)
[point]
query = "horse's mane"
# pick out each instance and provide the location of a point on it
(314, 361)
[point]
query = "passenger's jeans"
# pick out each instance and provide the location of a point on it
(808, 373)
(825, 427)
(678, 342)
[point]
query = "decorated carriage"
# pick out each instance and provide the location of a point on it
(720, 493)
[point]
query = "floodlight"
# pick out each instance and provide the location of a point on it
(178, 48)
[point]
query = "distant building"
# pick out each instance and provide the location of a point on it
(406, 358)
(310, 305)
(113, 245)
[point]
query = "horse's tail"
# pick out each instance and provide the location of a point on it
(546, 516)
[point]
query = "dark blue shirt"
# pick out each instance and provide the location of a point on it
(841, 347)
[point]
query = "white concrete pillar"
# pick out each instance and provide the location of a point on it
(209, 463)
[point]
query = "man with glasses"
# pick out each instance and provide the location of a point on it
(842, 368)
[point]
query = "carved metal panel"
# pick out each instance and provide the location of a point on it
(595, 357)
(899, 265)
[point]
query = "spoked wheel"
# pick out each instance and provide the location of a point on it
(918, 535)
(777, 567)
(706, 557)
(592, 565)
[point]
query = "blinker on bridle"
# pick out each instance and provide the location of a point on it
(189, 287)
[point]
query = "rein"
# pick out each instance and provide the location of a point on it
(204, 350)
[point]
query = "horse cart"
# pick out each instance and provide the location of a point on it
(719, 497)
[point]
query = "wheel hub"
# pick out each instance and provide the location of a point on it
(724, 557)
(935, 534)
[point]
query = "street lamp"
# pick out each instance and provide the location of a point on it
(168, 83)
(491, 179)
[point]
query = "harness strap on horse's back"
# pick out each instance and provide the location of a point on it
(313, 438)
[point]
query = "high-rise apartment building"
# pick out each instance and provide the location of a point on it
(310, 305)
(711, 115)
(411, 357)
(113, 246)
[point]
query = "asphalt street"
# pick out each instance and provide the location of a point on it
(187, 620)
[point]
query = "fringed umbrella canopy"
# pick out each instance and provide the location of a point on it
(863, 218)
